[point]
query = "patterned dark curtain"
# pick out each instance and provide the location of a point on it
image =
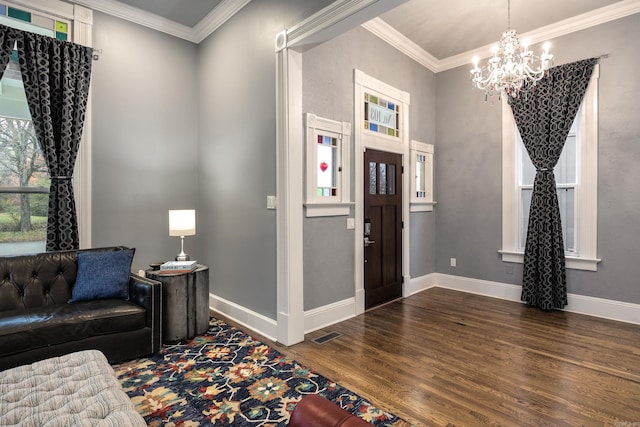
(544, 117)
(8, 37)
(56, 76)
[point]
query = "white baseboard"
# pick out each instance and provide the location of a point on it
(315, 319)
(598, 307)
(250, 319)
(480, 287)
(418, 284)
(327, 315)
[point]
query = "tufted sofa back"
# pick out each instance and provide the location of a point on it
(39, 280)
(33, 281)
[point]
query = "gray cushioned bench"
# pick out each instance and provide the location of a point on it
(78, 389)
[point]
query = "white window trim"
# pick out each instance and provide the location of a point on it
(586, 191)
(422, 204)
(341, 203)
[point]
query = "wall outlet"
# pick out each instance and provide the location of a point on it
(453, 262)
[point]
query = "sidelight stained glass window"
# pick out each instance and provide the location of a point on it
(422, 183)
(327, 177)
(326, 166)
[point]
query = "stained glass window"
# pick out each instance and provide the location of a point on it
(381, 116)
(420, 174)
(327, 171)
(326, 166)
(422, 183)
(14, 17)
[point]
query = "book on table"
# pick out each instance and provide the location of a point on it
(177, 267)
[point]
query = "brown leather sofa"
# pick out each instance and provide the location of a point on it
(316, 411)
(37, 320)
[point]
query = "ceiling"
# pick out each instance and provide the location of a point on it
(185, 12)
(440, 34)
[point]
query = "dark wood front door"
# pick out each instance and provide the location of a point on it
(382, 226)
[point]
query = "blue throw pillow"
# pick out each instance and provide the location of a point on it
(103, 275)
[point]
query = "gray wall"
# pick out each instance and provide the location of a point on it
(177, 125)
(328, 92)
(145, 138)
(237, 163)
(468, 169)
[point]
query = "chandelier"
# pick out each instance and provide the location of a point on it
(511, 66)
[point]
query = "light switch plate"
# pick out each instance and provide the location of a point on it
(351, 223)
(272, 202)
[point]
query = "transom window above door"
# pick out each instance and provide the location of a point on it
(381, 116)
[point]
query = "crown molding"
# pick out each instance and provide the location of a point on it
(214, 19)
(339, 16)
(137, 16)
(386, 32)
(218, 16)
(579, 22)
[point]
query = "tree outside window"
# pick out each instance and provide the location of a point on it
(24, 183)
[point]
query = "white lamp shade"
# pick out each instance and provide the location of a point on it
(182, 222)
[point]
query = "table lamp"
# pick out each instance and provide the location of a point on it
(182, 223)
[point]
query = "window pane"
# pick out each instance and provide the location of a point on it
(23, 223)
(565, 170)
(565, 173)
(373, 175)
(392, 179)
(566, 201)
(383, 178)
(420, 168)
(525, 205)
(326, 166)
(23, 174)
(528, 171)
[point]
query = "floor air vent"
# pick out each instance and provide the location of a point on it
(327, 337)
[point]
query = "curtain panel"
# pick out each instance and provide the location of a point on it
(544, 117)
(56, 76)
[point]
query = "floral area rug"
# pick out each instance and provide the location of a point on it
(225, 377)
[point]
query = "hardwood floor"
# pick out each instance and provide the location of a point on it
(447, 358)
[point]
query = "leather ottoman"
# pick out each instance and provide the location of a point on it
(316, 411)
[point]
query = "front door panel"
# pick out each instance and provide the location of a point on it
(383, 227)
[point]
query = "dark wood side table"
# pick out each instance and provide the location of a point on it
(185, 303)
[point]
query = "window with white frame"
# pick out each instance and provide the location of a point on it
(328, 186)
(24, 181)
(576, 182)
(422, 172)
